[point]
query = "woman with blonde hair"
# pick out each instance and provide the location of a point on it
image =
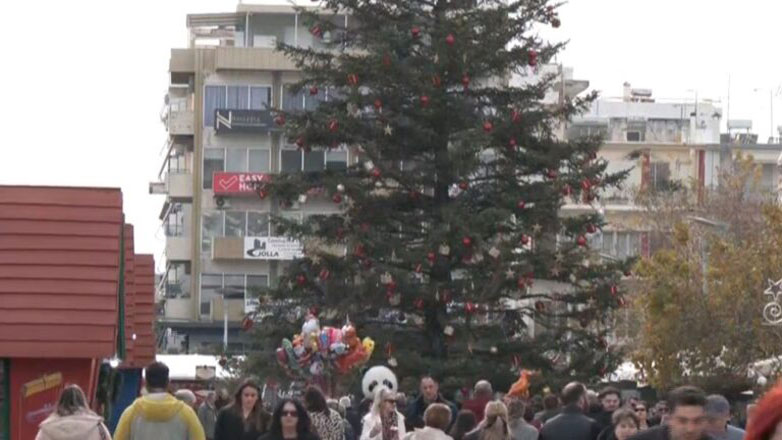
(494, 425)
(383, 422)
(73, 419)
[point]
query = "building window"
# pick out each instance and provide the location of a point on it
(211, 284)
(241, 97)
(259, 160)
(236, 160)
(634, 136)
(214, 161)
(619, 244)
(178, 280)
(174, 222)
(292, 102)
(257, 224)
(235, 223)
(255, 285)
(234, 286)
(660, 175)
(177, 163)
(211, 226)
(292, 161)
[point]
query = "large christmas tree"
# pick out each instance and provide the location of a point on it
(449, 245)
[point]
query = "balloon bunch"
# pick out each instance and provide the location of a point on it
(317, 349)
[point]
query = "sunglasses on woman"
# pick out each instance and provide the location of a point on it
(293, 414)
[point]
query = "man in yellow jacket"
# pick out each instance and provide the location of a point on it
(158, 415)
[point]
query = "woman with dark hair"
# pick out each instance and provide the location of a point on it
(290, 422)
(244, 418)
(73, 419)
(465, 422)
(326, 422)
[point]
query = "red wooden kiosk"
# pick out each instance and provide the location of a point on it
(66, 261)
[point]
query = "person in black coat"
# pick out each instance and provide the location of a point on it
(290, 421)
(687, 420)
(571, 423)
(244, 418)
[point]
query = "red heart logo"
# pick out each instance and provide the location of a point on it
(228, 183)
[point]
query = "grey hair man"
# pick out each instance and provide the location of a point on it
(718, 415)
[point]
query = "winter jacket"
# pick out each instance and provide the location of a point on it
(79, 426)
(427, 433)
(328, 426)
(230, 426)
(207, 415)
(372, 420)
(661, 433)
(415, 412)
(350, 434)
(521, 430)
(570, 424)
(159, 416)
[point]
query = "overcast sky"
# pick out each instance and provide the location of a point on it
(84, 80)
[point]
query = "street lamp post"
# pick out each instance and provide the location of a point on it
(228, 293)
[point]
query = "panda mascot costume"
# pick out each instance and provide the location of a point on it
(383, 421)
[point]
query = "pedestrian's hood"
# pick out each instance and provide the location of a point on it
(159, 407)
(73, 427)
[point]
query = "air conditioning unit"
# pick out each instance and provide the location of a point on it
(222, 202)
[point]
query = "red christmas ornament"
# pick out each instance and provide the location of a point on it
(515, 116)
(378, 104)
(324, 274)
(488, 126)
(424, 101)
(521, 282)
(614, 290)
(300, 142)
(512, 143)
(524, 239)
(521, 204)
(415, 31)
(450, 39)
(586, 184)
(628, 273)
(223, 361)
(376, 173)
(437, 81)
(247, 324)
(391, 286)
(581, 241)
(337, 198)
(431, 257)
(567, 191)
(419, 268)
(280, 120)
(316, 31)
(314, 90)
(532, 57)
(591, 229)
(419, 304)
(301, 280)
(333, 126)
(469, 307)
(466, 81)
(555, 22)
(464, 185)
(551, 174)
(353, 79)
(467, 241)
(360, 251)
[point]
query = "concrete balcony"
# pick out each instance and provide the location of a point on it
(251, 58)
(179, 185)
(179, 308)
(235, 308)
(178, 248)
(181, 123)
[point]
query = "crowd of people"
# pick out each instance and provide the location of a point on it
(576, 413)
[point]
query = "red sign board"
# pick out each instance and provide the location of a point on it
(237, 184)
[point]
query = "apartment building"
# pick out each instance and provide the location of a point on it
(221, 141)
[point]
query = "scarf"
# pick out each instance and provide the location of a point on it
(389, 423)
